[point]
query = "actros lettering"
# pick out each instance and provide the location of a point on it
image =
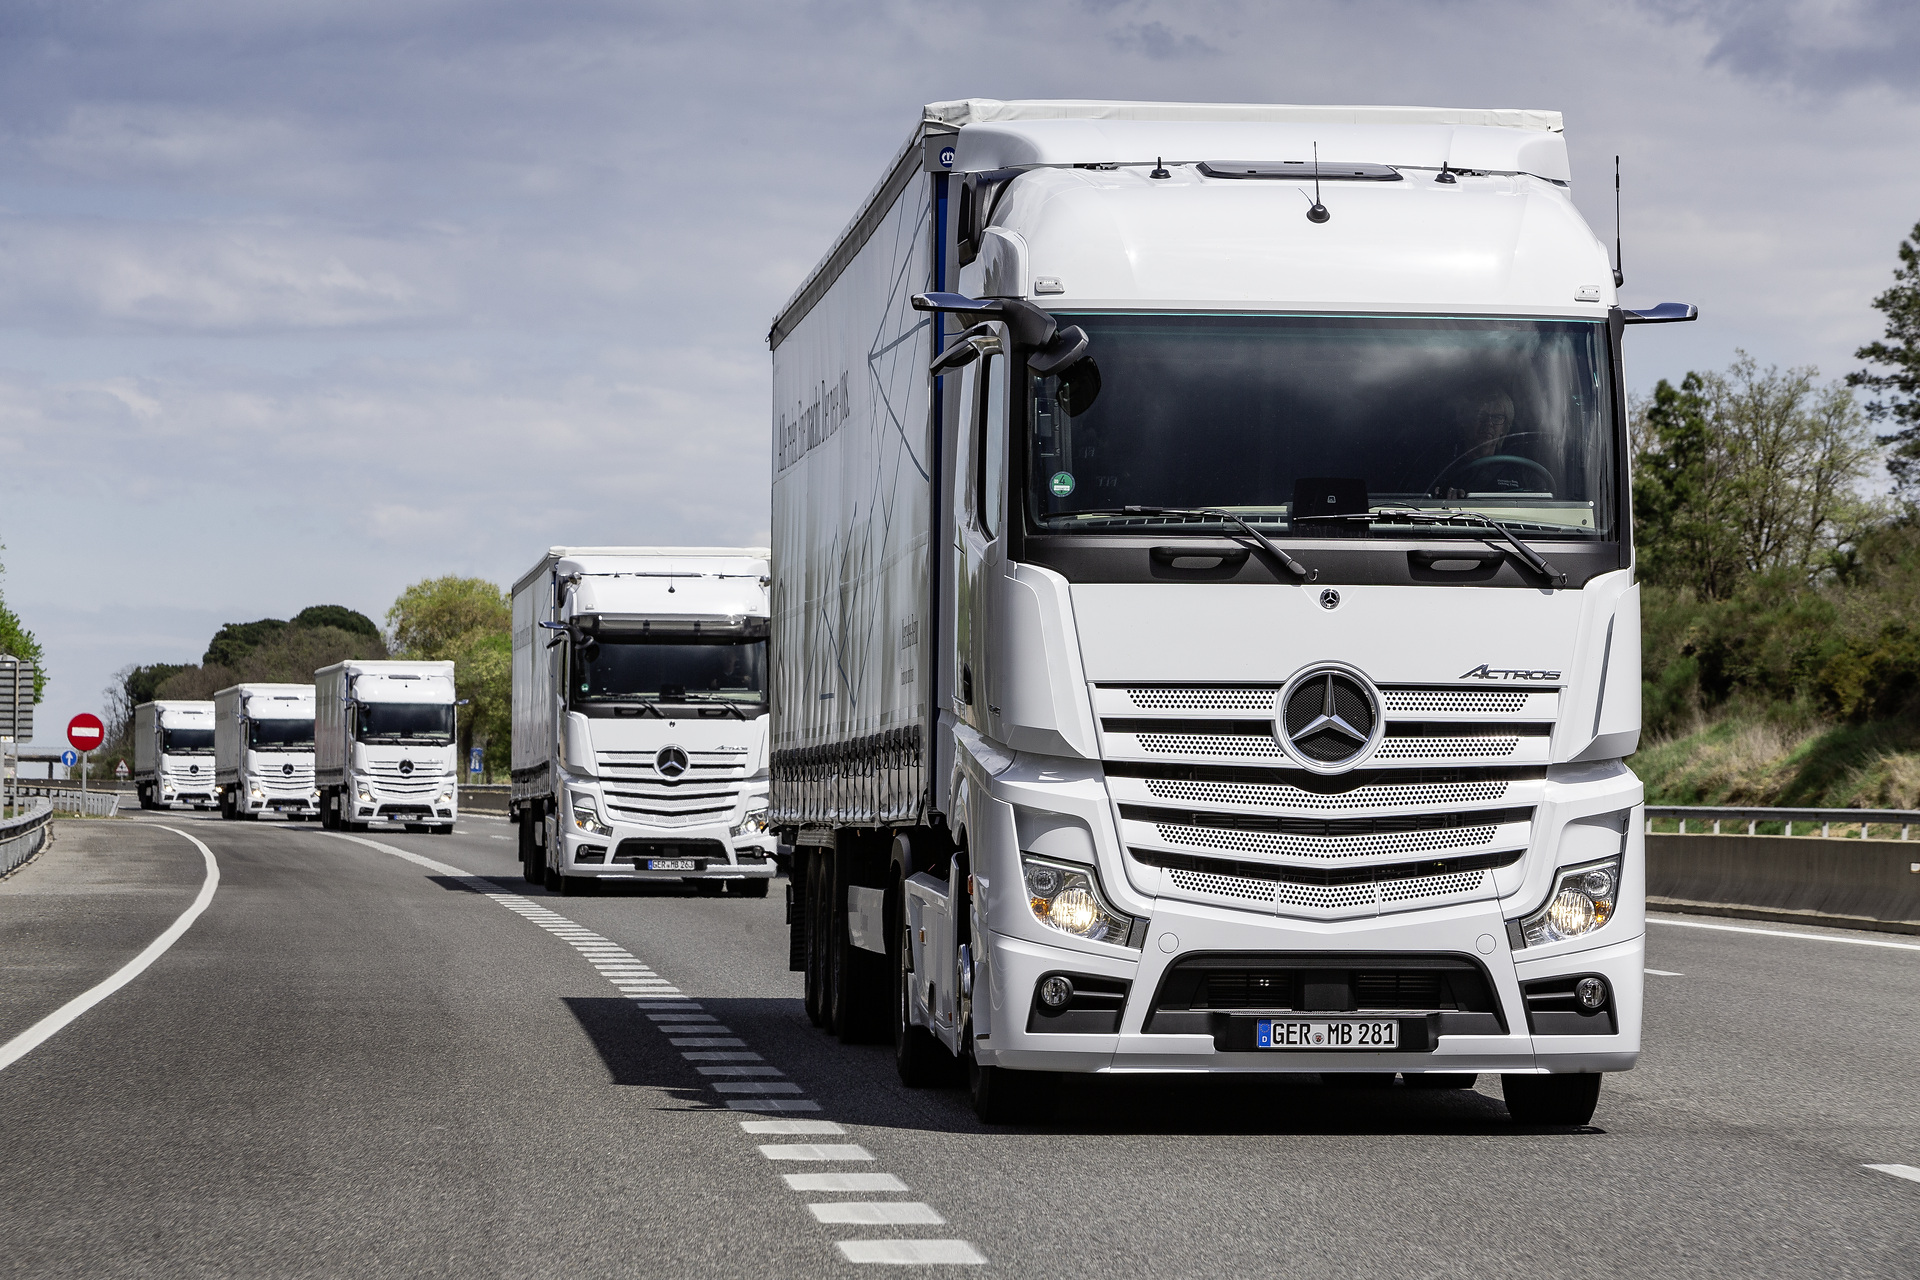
(1485, 672)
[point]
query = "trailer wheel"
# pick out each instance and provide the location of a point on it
(818, 975)
(1552, 1100)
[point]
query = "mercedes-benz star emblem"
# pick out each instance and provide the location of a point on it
(1329, 599)
(287, 769)
(1329, 719)
(671, 762)
(406, 767)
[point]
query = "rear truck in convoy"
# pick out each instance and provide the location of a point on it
(173, 754)
(384, 735)
(263, 750)
(639, 718)
(1204, 620)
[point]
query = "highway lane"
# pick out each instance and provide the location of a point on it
(358, 1063)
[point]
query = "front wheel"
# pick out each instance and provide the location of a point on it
(1000, 1095)
(1552, 1100)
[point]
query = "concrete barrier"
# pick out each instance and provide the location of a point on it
(484, 798)
(1857, 884)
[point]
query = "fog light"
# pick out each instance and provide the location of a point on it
(1056, 991)
(1590, 992)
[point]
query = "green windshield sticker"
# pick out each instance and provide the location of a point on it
(1061, 484)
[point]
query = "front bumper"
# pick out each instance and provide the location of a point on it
(633, 851)
(1473, 931)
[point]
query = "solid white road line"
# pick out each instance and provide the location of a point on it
(878, 1213)
(1906, 1171)
(1665, 973)
(1782, 933)
(42, 1031)
(815, 1151)
(910, 1253)
(843, 1182)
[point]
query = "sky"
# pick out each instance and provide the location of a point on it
(303, 302)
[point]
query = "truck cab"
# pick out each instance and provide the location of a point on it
(639, 718)
(263, 751)
(173, 754)
(384, 738)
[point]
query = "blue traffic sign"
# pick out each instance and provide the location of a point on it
(69, 757)
(473, 761)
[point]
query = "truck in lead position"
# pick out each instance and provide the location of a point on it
(173, 754)
(639, 717)
(263, 750)
(1204, 619)
(383, 739)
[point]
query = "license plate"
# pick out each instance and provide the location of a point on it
(1278, 1033)
(673, 864)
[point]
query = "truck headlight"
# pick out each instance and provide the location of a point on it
(364, 793)
(257, 794)
(1068, 898)
(753, 824)
(446, 796)
(1582, 901)
(586, 816)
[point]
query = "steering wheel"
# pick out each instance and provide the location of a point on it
(1493, 460)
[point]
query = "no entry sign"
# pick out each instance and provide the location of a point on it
(85, 731)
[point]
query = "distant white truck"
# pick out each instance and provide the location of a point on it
(173, 754)
(384, 745)
(263, 750)
(639, 717)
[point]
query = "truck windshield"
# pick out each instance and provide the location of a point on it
(1509, 418)
(637, 669)
(280, 735)
(428, 723)
(186, 741)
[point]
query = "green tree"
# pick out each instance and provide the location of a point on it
(467, 621)
(1748, 472)
(432, 618)
(1898, 353)
(337, 616)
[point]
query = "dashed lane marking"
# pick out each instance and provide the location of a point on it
(1782, 933)
(843, 1182)
(1906, 1171)
(1665, 973)
(878, 1213)
(815, 1151)
(45, 1029)
(702, 1039)
(910, 1253)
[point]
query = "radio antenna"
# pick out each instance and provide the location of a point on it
(1319, 211)
(1618, 277)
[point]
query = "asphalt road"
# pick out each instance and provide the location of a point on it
(354, 1063)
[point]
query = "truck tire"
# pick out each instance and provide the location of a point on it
(919, 1058)
(226, 806)
(1001, 1095)
(1554, 1100)
(532, 857)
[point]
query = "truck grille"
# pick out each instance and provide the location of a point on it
(424, 780)
(707, 793)
(1204, 791)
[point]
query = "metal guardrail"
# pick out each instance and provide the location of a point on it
(86, 804)
(23, 836)
(1825, 819)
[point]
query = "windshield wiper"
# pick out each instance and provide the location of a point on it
(1414, 515)
(1211, 513)
(728, 703)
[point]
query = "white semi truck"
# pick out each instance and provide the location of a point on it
(384, 735)
(173, 754)
(1204, 619)
(263, 750)
(639, 717)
